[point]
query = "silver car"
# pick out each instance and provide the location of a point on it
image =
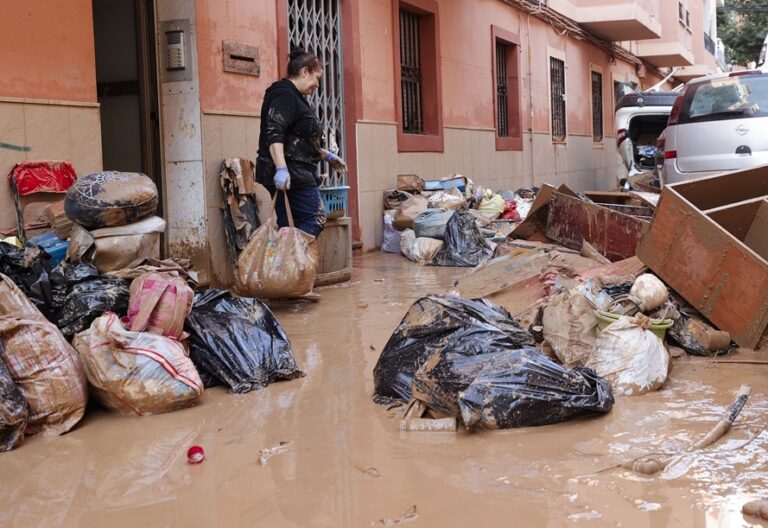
(719, 123)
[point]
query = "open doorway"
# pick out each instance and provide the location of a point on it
(126, 75)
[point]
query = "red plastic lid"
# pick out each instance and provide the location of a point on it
(195, 454)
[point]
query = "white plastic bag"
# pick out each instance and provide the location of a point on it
(421, 250)
(631, 357)
(391, 242)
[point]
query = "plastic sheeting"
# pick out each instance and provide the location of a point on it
(464, 245)
(522, 388)
(432, 223)
(239, 342)
(436, 324)
(29, 268)
(13, 411)
(137, 373)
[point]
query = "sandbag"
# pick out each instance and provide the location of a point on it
(159, 303)
(446, 200)
(81, 294)
(13, 411)
(391, 237)
(464, 244)
(570, 324)
(522, 388)
(137, 373)
(237, 341)
(408, 211)
(47, 370)
(420, 250)
(277, 263)
(115, 248)
(631, 357)
(438, 324)
(432, 223)
(111, 198)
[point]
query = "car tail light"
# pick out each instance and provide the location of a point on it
(621, 135)
(675, 113)
(670, 154)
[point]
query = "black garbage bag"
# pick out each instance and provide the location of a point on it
(13, 410)
(81, 294)
(29, 268)
(522, 388)
(238, 341)
(438, 324)
(464, 244)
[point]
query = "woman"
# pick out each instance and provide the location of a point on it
(290, 144)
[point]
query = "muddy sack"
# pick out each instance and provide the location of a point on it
(137, 373)
(13, 411)
(630, 356)
(14, 303)
(110, 199)
(277, 263)
(81, 294)
(29, 269)
(47, 370)
(436, 325)
(420, 250)
(239, 342)
(522, 388)
(464, 245)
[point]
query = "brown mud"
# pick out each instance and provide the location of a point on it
(348, 465)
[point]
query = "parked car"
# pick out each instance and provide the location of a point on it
(719, 123)
(640, 118)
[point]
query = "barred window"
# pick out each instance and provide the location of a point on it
(597, 106)
(410, 73)
(502, 110)
(557, 89)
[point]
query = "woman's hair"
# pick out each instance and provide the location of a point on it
(301, 58)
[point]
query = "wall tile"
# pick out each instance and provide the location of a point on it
(185, 194)
(181, 124)
(47, 131)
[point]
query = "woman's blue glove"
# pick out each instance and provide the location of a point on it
(282, 178)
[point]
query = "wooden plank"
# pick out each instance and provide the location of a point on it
(711, 268)
(715, 191)
(571, 221)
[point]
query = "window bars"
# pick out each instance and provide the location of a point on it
(315, 25)
(502, 110)
(557, 90)
(597, 106)
(410, 73)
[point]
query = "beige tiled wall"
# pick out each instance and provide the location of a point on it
(224, 136)
(52, 132)
(472, 153)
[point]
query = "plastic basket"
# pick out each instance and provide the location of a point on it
(335, 200)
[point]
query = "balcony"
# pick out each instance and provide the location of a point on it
(665, 54)
(619, 19)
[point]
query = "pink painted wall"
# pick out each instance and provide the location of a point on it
(253, 23)
(47, 50)
(697, 24)
(467, 69)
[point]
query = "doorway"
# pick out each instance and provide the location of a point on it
(126, 77)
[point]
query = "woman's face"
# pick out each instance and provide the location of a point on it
(309, 80)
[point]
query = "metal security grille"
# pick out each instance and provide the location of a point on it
(410, 73)
(502, 111)
(315, 25)
(597, 106)
(557, 89)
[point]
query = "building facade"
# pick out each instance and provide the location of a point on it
(510, 93)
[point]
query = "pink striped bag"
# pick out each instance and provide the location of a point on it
(159, 303)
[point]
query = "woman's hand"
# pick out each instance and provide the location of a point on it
(336, 162)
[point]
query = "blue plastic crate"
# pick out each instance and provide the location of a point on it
(52, 244)
(335, 200)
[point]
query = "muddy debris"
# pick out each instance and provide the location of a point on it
(408, 516)
(268, 452)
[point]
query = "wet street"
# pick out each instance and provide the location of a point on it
(347, 465)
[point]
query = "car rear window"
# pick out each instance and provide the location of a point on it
(736, 97)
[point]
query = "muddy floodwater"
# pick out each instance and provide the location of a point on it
(347, 465)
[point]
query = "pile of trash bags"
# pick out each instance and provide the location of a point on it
(471, 360)
(449, 222)
(118, 325)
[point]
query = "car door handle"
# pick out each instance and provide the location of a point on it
(743, 150)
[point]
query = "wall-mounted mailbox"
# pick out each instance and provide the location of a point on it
(241, 58)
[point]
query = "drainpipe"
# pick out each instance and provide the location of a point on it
(530, 96)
